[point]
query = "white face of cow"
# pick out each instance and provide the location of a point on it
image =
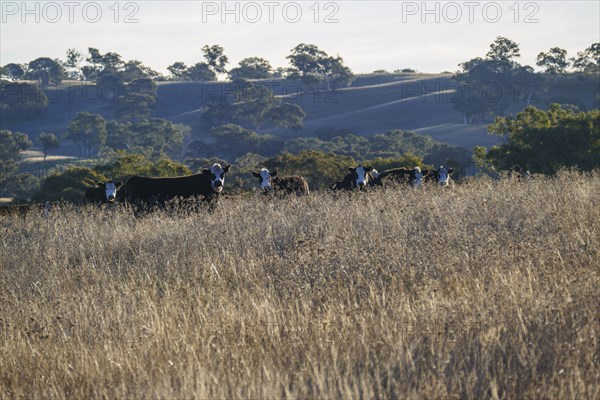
(361, 176)
(110, 189)
(417, 177)
(265, 179)
(217, 177)
(444, 176)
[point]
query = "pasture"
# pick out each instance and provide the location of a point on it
(488, 289)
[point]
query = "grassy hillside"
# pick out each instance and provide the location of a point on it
(374, 103)
(486, 290)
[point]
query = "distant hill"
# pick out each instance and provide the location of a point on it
(374, 103)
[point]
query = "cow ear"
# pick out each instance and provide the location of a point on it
(118, 184)
(369, 169)
(450, 171)
(205, 171)
(226, 169)
(255, 174)
(351, 169)
(274, 173)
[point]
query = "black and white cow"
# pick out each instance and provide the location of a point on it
(103, 193)
(357, 178)
(269, 181)
(412, 176)
(441, 176)
(208, 184)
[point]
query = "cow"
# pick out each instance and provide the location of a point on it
(103, 193)
(440, 176)
(207, 184)
(412, 176)
(269, 181)
(375, 181)
(357, 178)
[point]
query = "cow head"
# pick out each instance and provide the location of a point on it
(360, 175)
(443, 175)
(216, 175)
(416, 177)
(110, 190)
(264, 178)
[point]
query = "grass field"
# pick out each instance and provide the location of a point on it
(490, 289)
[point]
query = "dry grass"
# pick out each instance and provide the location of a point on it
(486, 290)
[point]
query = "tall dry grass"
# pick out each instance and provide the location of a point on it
(486, 290)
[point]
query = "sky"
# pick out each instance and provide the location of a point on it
(432, 36)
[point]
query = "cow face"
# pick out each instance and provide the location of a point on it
(110, 190)
(361, 175)
(264, 177)
(443, 175)
(217, 176)
(416, 177)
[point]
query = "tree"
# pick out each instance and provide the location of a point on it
(588, 61)
(231, 141)
(21, 100)
(503, 49)
(94, 58)
(215, 58)
(287, 116)
(252, 102)
(555, 60)
(127, 165)
(12, 144)
(74, 59)
(319, 169)
(200, 72)
(139, 100)
(49, 142)
(178, 71)
(69, 185)
(545, 141)
(406, 160)
(252, 68)
(88, 131)
(19, 186)
(152, 137)
(13, 71)
(312, 65)
(485, 85)
(134, 69)
(111, 63)
(46, 70)
(247, 105)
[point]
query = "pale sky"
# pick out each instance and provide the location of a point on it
(369, 35)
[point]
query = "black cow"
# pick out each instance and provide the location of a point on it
(269, 181)
(357, 178)
(103, 193)
(208, 184)
(440, 176)
(412, 176)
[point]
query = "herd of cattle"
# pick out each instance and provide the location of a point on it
(209, 184)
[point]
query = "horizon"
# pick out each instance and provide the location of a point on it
(367, 35)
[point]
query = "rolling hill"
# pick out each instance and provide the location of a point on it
(374, 103)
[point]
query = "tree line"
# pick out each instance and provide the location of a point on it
(307, 62)
(490, 85)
